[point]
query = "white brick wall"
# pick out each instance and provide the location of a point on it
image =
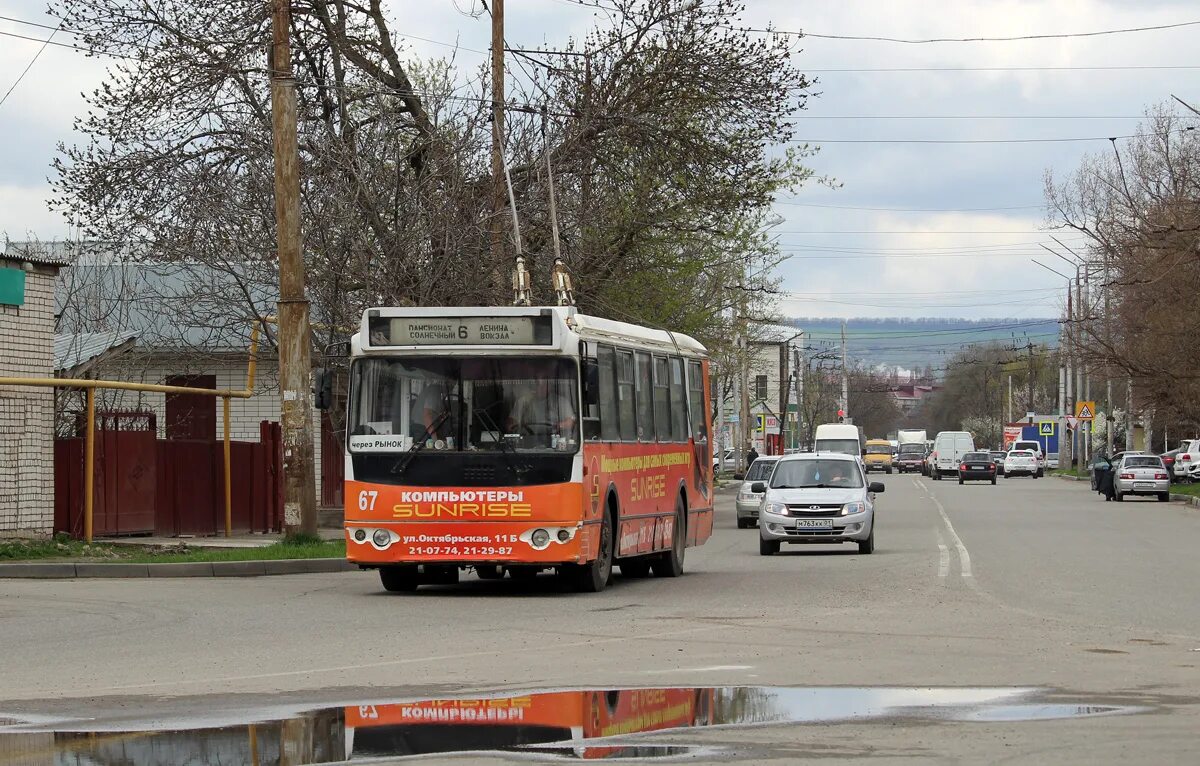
(27, 414)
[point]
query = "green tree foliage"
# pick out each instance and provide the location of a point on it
(663, 136)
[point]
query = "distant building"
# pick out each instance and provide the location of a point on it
(910, 396)
(27, 413)
(771, 391)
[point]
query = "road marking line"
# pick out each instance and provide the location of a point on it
(407, 660)
(710, 668)
(963, 556)
(943, 555)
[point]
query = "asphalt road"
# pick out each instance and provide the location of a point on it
(1031, 584)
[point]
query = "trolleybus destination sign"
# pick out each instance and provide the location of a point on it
(459, 331)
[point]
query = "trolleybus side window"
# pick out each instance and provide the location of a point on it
(679, 424)
(645, 401)
(696, 398)
(625, 402)
(662, 400)
(609, 425)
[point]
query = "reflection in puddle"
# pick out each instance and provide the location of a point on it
(589, 724)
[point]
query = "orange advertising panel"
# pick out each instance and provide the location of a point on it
(467, 524)
(590, 714)
(648, 479)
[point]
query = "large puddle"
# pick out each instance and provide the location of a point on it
(580, 724)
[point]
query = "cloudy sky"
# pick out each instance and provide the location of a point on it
(916, 229)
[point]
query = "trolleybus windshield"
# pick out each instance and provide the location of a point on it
(464, 404)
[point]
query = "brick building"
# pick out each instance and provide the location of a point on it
(27, 321)
(176, 324)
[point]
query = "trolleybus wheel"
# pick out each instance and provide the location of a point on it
(593, 576)
(670, 563)
(399, 579)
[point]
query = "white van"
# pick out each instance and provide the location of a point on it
(948, 449)
(838, 437)
(1036, 448)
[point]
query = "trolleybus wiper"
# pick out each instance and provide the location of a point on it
(401, 464)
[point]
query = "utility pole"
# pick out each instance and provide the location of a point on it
(499, 187)
(1029, 375)
(295, 363)
(801, 369)
(1008, 411)
(845, 376)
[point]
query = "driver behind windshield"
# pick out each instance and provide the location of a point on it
(815, 473)
(544, 410)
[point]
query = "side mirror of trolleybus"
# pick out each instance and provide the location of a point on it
(322, 388)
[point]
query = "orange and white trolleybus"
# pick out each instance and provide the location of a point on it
(511, 440)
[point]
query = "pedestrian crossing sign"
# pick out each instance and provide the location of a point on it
(1046, 428)
(1085, 410)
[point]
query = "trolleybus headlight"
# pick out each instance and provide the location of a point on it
(381, 538)
(563, 535)
(360, 534)
(540, 538)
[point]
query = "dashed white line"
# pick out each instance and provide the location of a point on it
(709, 669)
(943, 555)
(963, 556)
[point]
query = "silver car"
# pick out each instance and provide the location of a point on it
(747, 499)
(817, 498)
(1142, 475)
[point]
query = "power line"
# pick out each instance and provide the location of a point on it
(911, 209)
(927, 40)
(28, 66)
(922, 233)
(980, 140)
(1081, 68)
(963, 117)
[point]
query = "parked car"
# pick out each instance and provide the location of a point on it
(725, 462)
(1168, 459)
(998, 457)
(1142, 475)
(747, 499)
(1021, 462)
(817, 498)
(1035, 447)
(1187, 454)
(977, 466)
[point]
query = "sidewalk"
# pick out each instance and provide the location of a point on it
(245, 540)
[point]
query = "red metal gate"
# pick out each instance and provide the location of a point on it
(168, 487)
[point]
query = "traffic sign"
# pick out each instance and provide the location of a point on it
(1046, 428)
(1072, 423)
(1085, 410)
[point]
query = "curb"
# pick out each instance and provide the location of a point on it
(1189, 499)
(92, 570)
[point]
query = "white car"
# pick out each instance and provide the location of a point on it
(1187, 460)
(1021, 462)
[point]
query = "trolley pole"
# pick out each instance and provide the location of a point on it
(295, 364)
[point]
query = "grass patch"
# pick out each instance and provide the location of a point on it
(1082, 473)
(1186, 489)
(77, 550)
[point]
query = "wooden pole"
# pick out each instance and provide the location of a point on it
(499, 191)
(295, 364)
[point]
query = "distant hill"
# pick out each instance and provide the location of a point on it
(913, 344)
